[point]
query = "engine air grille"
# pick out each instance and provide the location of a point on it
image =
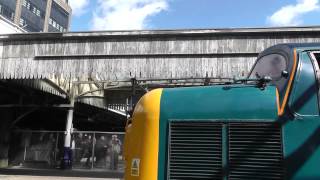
(195, 150)
(255, 151)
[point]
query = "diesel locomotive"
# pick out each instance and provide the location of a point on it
(265, 126)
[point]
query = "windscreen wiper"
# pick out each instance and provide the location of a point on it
(260, 82)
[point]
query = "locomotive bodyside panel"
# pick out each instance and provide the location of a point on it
(302, 131)
(229, 103)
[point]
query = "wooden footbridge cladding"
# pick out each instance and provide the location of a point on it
(117, 55)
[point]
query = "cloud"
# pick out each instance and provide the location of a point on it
(78, 6)
(126, 14)
(291, 15)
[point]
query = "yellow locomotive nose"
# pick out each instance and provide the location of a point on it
(142, 139)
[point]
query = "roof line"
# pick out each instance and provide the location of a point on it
(164, 33)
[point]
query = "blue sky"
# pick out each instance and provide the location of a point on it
(180, 14)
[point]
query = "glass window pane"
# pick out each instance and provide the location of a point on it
(12, 16)
(21, 22)
(317, 56)
(24, 3)
(271, 65)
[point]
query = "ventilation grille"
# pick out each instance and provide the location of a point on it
(255, 151)
(195, 150)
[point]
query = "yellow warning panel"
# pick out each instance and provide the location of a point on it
(135, 167)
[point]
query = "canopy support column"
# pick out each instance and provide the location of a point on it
(67, 152)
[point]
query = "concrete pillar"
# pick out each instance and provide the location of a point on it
(67, 139)
(46, 18)
(17, 14)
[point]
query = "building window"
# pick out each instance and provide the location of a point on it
(38, 12)
(12, 16)
(6, 12)
(31, 7)
(56, 25)
(26, 4)
(22, 22)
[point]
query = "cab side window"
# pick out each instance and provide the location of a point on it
(316, 57)
(304, 100)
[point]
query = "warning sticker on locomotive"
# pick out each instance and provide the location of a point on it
(135, 167)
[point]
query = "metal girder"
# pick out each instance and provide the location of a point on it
(35, 106)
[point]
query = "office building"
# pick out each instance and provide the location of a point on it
(37, 15)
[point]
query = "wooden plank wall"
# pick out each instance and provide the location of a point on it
(116, 58)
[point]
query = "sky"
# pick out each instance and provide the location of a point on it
(103, 15)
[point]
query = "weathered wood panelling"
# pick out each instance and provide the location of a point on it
(117, 69)
(244, 44)
(1, 50)
(124, 56)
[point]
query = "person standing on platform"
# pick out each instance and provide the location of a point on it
(79, 144)
(101, 151)
(87, 149)
(115, 148)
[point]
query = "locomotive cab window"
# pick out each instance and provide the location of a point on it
(274, 66)
(316, 62)
(317, 58)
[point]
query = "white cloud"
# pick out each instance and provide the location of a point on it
(78, 6)
(125, 14)
(291, 15)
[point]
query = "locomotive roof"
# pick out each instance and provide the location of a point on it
(288, 48)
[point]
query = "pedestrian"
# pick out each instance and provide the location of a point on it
(51, 147)
(87, 152)
(78, 143)
(101, 150)
(115, 148)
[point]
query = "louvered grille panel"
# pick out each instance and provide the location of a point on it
(195, 151)
(255, 151)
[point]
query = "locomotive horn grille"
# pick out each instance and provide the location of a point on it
(195, 151)
(255, 151)
(251, 151)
